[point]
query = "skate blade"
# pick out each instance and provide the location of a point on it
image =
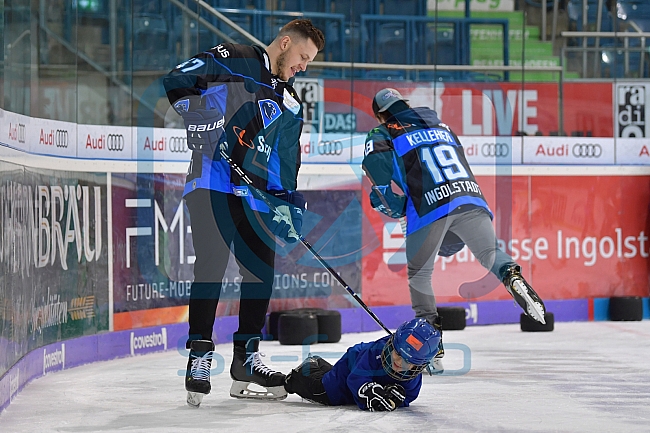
(194, 399)
(535, 310)
(244, 390)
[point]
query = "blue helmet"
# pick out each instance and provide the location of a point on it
(416, 341)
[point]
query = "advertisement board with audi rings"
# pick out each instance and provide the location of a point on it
(492, 150)
(569, 150)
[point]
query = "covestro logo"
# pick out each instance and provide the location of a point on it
(154, 340)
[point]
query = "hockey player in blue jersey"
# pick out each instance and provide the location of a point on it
(378, 376)
(441, 201)
(238, 101)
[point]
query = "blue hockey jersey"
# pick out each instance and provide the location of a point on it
(426, 160)
(362, 364)
(262, 119)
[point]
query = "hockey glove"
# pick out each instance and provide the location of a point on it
(376, 398)
(204, 130)
(385, 201)
(396, 393)
(287, 223)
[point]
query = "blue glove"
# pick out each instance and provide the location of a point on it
(204, 130)
(385, 201)
(287, 223)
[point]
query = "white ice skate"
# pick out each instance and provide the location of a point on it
(194, 399)
(523, 294)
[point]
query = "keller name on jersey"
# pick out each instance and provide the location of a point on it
(410, 140)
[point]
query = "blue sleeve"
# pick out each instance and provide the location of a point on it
(188, 81)
(378, 157)
(412, 389)
(360, 374)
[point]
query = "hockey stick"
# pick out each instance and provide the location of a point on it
(293, 233)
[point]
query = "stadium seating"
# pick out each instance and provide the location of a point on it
(437, 43)
(200, 37)
(301, 5)
(620, 63)
(234, 4)
(150, 43)
(403, 7)
(402, 32)
(347, 41)
(353, 9)
(575, 14)
(633, 15)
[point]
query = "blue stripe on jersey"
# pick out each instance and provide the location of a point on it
(273, 167)
(216, 97)
(414, 222)
(406, 142)
(219, 180)
(246, 77)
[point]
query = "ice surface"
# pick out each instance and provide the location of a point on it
(582, 377)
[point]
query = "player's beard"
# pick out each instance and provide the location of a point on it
(280, 63)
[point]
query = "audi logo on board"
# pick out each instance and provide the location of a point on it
(61, 138)
(115, 142)
(111, 142)
(17, 132)
(58, 138)
(328, 147)
(178, 144)
(498, 150)
(587, 150)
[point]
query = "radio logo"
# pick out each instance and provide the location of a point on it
(631, 106)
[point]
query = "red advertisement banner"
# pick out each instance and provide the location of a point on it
(575, 237)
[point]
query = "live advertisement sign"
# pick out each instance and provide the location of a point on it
(470, 109)
(574, 236)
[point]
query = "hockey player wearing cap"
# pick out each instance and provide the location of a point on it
(441, 201)
(378, 376)
(238, 101)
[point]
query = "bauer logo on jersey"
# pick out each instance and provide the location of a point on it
(411, 140)
(291, 103)
(182, 105)
(270, 111)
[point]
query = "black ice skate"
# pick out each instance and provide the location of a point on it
(197, 376)
(248, 373)
(435, 366)
(523, 294)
